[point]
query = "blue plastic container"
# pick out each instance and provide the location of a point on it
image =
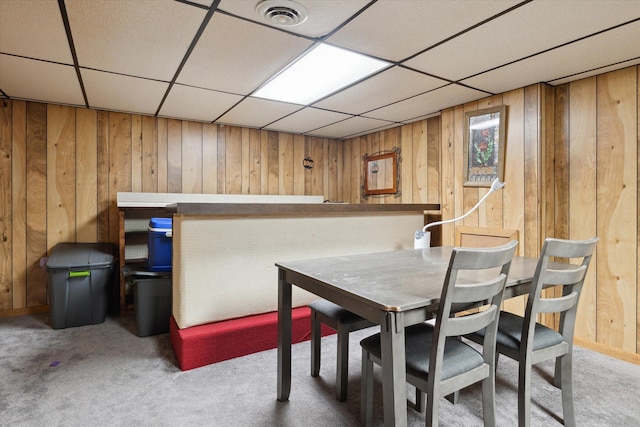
(159, 258)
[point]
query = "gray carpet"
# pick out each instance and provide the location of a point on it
(105, 375)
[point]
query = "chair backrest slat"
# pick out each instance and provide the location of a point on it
(556, 305)
(564, 277)
(497, 260)
(474, 292)
(458, 326)
(571, 279)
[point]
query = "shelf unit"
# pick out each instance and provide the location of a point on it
(133, 231)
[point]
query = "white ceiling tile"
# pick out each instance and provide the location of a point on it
(34, 30)
(143, 38)
(306, 120)
(385, 88)
(186, 102)
(620, 44)
(122, 93)
(348, 127)
(40, 81)
(236, 56)
(323, 15)
(395, 30)
(511, 37)
(427, 103)
(255, 112)
(129, 51)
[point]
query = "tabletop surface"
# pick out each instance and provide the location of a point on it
(397, 280)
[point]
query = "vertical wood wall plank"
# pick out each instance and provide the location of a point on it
(233, 160)
(6, 226)
(191, 157)
(61, 184)
(103, 177)
(149, 154)
(317, 175)
(119, 166)
(245, 170)
(415, 158)
(222, 168)
(163, 147)
(255, 164)
(617, 203)
(447, 200)
(513, 194)
(299, 171)
(349, 175)
(210, 158)
(530, 235)
(36, 203)
(19, 204)
(582, 191)
(136, 153)
(433, 161)
(86, 175)
(273, 163)
(174, 156)
(406, 165)
(285, 169)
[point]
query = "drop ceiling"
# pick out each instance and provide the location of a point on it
(203, 59)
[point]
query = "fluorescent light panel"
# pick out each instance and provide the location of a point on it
(322, 71)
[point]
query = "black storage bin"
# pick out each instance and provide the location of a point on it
(152, 303)
(79, 283)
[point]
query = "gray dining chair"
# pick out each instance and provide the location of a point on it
(529, 342)
(437, 361)
(343, 322)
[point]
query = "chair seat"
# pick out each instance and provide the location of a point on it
(510, 333)
(335, 312)
(458, 356)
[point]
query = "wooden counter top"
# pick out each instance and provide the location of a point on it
(279, 209)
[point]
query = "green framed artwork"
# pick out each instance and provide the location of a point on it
(484, 146)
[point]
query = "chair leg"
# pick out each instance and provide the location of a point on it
(453, 397)
(315, 344)
(524, 394)
(557, 377)
(421, 403)
(567, 390)
(433, 402)
(489, 400)
(342, 370)
(366, 390)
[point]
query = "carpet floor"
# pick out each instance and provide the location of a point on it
(105, 375)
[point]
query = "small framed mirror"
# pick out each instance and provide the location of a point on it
(381, 173)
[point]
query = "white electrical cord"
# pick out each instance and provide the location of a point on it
(495, 185)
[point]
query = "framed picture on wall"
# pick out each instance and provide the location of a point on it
(484, 146)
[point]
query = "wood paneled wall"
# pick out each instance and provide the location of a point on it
(419, 166)
(571, 171)
(598, 132)
(61, 168)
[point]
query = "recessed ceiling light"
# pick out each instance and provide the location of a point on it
(318, 73)
(283, 13)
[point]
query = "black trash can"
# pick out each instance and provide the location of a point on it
(152, 292)
(79, 283)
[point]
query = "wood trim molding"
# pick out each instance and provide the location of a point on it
(15, 312)
(608, 351)
(483, 236)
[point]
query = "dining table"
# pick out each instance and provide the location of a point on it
(392, 289)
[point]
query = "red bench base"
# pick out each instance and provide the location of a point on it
(214, 342)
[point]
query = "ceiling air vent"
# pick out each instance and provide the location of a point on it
(283, 13)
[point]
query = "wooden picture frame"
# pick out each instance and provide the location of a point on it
(484, 146)
(381, 173)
